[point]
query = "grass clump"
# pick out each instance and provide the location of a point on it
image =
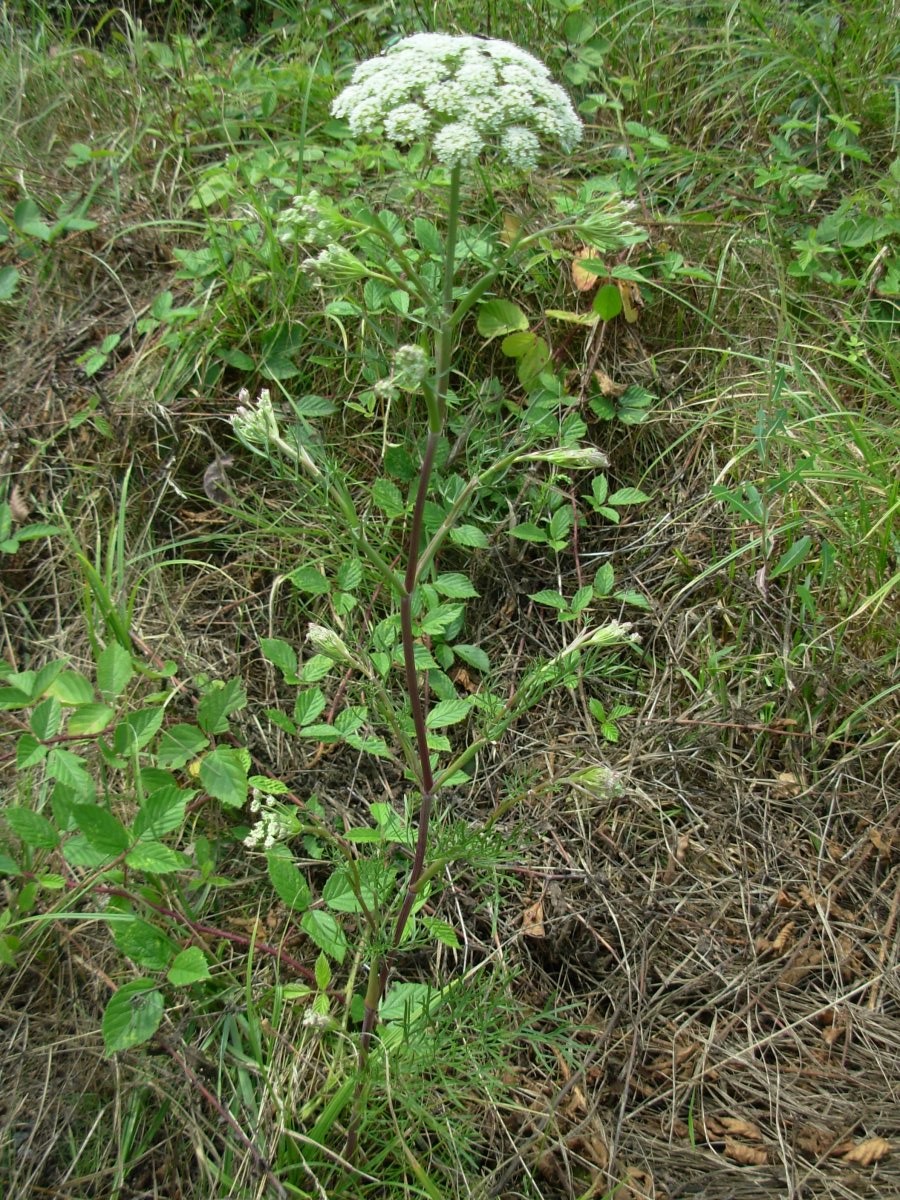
(653, 945)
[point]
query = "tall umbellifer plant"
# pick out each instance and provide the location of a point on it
(467, 99)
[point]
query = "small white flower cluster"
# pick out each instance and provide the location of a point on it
(410, 369)
(274, 825)
(466, 93)
(306, 221)
(256, 424)
(335, 264)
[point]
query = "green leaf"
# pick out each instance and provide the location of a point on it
(388, 498)
(46, 719)
(282, 655)
(137, 730)
(550, 599)
(71, 770)
(560, 523)
(349, 575)
(9, 282)
(323, 973)
(449, 712)
(71, 688)
(29, 752)
(604, 580)
(9, 866)
(316, 668)
(27, 219)
(223, 774)
(441, 931)
(287, 880)
(499, 317)
(217, 705)
(455, 585)
(608, 302)
(154, 858)
(90, 719)
(533, 362)
(104, 833)
(473, 656)
(114, 670)
(326, 933)
(30, 827)
(78, 852)
(469, 535)
(162, 812)
(190, 966)
(428, 237)
(179, 745)
(308, 706)
(338, 893)
(637, 599)
(529, 532)
(132, 1016)
(628, 495)
(792, 557)
(143, 943)
(310, 580)
(440, 618)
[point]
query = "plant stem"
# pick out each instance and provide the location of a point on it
(436, 401)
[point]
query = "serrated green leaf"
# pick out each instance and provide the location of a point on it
(388, 498)
(154, 858)
(628, 495)
(634, 598)
(132, 1015)
(499, 317)
(143, 943)
(455, 586)
(326, 933)
(288, 882)
(473, 656)
(46, 719)
(162, 812)
(78, 852)
(560, 523)
(308, 706)
(282, 655)
(29, 752)
(550, 599)
(604, 580)
(103, 831)
(349, 574)
(224, 776)
(449, 712)
(322, 973)
(179, 744)
(190, 966)
(114, 670)
(310, 581)
(71, 770)
(31, 828)
(271, 787)
(338, 892)
(9, 866)
(71, 688)
(316, 667)
(441, 931)
(90, 719)
(137, 730)
(439, 619)
(218, 704)
(470, 536)
(528, 532)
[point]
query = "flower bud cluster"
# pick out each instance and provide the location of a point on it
(306, 221)
(255, 424)
(275, 822)
(335, 264)
(467, 94)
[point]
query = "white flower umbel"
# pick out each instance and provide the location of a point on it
(467, 94)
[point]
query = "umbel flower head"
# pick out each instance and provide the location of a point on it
(466, 94)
